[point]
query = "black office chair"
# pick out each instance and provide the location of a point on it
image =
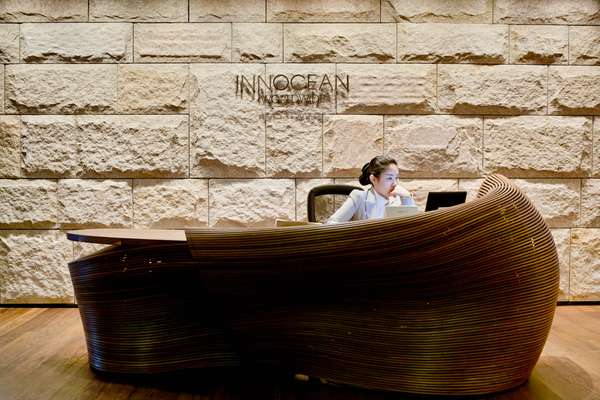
(323, 190)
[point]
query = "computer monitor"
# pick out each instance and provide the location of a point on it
(436, 200)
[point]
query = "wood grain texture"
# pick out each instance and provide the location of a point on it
(49, 345)
(451, 302)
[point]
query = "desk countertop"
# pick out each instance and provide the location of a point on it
(127, 236)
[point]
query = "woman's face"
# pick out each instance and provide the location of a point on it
(385, 183)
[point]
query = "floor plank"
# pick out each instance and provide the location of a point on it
(43, 356)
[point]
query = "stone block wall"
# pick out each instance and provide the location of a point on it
(131, 114)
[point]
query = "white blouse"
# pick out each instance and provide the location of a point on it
(365, 204)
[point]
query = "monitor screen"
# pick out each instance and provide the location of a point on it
(436, 200)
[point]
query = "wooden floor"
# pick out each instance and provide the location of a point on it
(43, 356)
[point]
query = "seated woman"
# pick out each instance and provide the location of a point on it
(382, 174)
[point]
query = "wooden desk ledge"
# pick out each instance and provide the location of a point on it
(127, 236)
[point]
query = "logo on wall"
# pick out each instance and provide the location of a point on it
(293, 95)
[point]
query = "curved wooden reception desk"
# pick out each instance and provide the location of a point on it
(455, 301)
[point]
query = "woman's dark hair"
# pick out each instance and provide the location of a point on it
(375, 167)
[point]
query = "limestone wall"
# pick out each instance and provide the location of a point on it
(131, 114)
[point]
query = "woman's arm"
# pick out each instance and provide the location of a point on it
(346, 211)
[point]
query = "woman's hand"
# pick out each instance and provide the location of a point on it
(400, 192)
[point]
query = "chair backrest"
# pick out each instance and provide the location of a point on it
(323, 190)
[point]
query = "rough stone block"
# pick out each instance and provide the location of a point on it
(574, 90)
(10, 146)
(531, 44)
(468, 12)
(530, 146)
(152, 89)
(584, 45)
(349, 141)
(134, 146)
(251, 202)
(48, 145)
(182, 42)
(294, 146)
(590, 202)
(471, 186)
(388, 89)
(323, 11)
(170, 203)
(61, 89)
(227, 126)
(33, 267)
(76, 43)
(256, 42)
(28, 204)
(556, 199)
(323, 204)
(562, 239)
(105, 146)
(2, 91)
(435, 145)
(9, 43)
(498, 89)
(44, 11)
(420, 188)
(302, 90)
(585, 264)
(453, 43)
(596, 149)
(351, 43)
(542, 12)
(139, 10)
(227, 11)
(91, 203)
